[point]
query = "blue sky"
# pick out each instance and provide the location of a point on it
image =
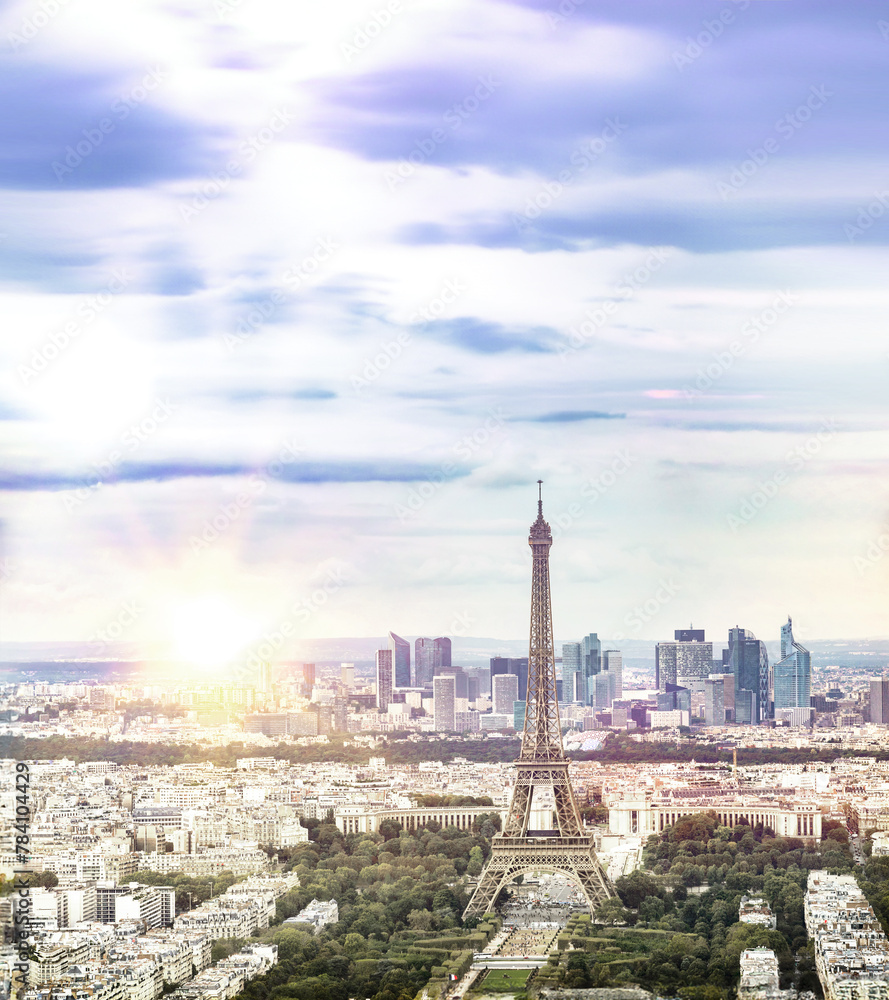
(301, 299)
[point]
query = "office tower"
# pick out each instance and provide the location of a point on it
(792, 673)
(714, 699)
(347, 674)
(442, 649)
(482, 677)
(401, 661)
(749, 663)
(384, 679)
(879, 701)
(511, 665)
(264, 683)
(675, 698)
(461, 681)
(308, 671)
(472, 688)
(601, 690)
(688, 657)
(519, 667)
(444, 697)
(613, 665)
(506, 693)
(688, 634)
(579, 694)
(430, 655)
(340, 715)
(424, 661)
(592, 663)
(572, 663)
(499, 665)
(518, 715)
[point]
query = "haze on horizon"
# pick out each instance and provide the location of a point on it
(300, 302)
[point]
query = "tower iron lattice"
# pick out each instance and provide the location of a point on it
(541, 765)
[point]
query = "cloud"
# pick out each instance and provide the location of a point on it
(570, 417)
(487, 337)
(64, 130)
(344, 471)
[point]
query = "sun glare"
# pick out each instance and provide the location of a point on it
(209, 631)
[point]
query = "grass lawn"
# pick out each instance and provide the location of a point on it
(504, 981)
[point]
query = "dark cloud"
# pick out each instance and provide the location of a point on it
(731, 97)
(62, 130)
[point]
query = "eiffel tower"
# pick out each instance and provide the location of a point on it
(542, 766)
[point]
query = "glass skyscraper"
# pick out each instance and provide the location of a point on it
(572, 663)
(749, 663)
(793, 672)
(401, 660)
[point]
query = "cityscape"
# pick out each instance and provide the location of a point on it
(443, 500)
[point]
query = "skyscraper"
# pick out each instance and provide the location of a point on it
(424, 661)
(687, 657)
(613, 665)
(792, 673)
(714, 699)
(749, 663)
(430, 655)
(572, 663)
(444, 696)
(506, 693)
(384, 679)
(401, 661)
(879, 701)
(442, 651)
(511, 665)
(592, 664)
(264, 681)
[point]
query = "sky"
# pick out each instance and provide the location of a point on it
(301, 299)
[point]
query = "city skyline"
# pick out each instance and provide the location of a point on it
(301, 304)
